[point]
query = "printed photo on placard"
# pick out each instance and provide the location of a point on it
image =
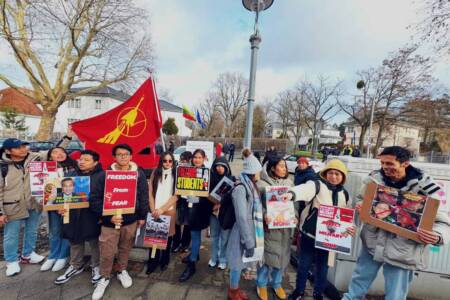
(281, 213)
(74, 191)
(40, 171)
(222, 188)
(157, 232)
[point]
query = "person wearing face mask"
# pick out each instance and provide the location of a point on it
(163, 202)
(84, 225)
(247, 232)
(331, 192)
(276, 241)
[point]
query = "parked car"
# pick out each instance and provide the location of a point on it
(177, 152)
(74, 145)
(41, 146)
(291, 161)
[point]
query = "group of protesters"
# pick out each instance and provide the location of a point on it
(111, 238)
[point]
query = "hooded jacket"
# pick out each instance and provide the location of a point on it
(142, 206)
(390, 248)
(215, 177)
(302, 176)
(84, 223)
(277, 250)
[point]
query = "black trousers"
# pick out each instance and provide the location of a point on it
(181, 237)
(162, 257)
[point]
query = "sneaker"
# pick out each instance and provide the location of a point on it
(12, 268)
(222, 266)
(70, 272)
(33, 258)
(100, 288)
(212, 263)
(48, 264)
(125, 279)
(95, 275)
(59, 264)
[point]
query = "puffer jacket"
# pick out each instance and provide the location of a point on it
(15, 191)
(277, 250)
(395, 250)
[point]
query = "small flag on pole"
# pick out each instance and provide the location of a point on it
(199, 120)
(187, 114)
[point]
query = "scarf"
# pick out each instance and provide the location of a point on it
(165, 189)
(335, 189)
(257, 212)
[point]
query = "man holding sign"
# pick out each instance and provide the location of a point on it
(122, 206)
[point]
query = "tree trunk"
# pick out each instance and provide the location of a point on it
(362, 136)
(46, 125)
(379, 137)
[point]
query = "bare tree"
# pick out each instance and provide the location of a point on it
(60, 44)
(282, 110)
(297, 113)
(208, 112)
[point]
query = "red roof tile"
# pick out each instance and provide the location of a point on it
(10, 98)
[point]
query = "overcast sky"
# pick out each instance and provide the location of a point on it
(198, 39)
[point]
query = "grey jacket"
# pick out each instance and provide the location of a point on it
(277, 250)
(242, 234)
(389, 248)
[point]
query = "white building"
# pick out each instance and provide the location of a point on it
(328, 135)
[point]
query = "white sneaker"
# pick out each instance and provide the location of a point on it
(70, 272)
(222, 266)
(33, 258)
(96, 275)
(59, 264)
(100, 288)
(212, 263)
(125, 279)
(12, 268)
(48, 264)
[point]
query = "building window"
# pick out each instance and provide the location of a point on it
(98, 104)
(74, 103)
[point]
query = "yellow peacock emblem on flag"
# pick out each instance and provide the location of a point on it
(131, 122)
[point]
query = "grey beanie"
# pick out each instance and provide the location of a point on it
(251, 165)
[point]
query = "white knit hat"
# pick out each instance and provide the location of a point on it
(251, 165)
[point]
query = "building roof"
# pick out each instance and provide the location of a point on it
(105, 92)
(167, 106)
(11, 98)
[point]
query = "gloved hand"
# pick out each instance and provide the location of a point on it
(249, 252)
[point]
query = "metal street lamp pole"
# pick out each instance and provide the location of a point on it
(369, 142)
(255, 40)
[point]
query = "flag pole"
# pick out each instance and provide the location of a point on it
(155, 98)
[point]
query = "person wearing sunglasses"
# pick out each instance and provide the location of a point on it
(163, 202)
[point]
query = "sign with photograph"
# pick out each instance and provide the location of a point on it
(281, 213)
(222, 188)
(331, 231)
(399, 212)
(69, 192)
(120, 192)
(192, 181)
(40, 171)
(206, 146)
(155, 234)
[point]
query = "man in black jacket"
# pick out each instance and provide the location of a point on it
(119, 241)
(84, 223)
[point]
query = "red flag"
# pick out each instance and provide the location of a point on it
(136, 122)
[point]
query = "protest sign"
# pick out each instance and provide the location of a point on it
(39, 172)
(155, 234)
(280, 213)
(223, 187)
(399, 212)
(192, 181)
(331, 231)
(66, 192)
(206, 146)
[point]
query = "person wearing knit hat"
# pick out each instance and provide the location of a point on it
(304, 172)
(330, 192)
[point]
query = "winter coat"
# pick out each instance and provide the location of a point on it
(84, 223)
(242, 234)
(215, 177)
(277, 242)
(302, 176)
(15, 191)
(395, 250)
(142, 207)
(199, 214)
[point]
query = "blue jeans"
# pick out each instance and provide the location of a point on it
(59, 247)
(11, 236)
(262, 276)
(396, 280)
(219, 241)
(309, 255)
(196, 236)
(235, 276)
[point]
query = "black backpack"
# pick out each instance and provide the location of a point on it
(227, 217)
(4, 171)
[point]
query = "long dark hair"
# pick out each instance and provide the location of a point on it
(157, 173)
(68, 164)
(272, 163)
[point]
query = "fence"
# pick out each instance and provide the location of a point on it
(433, 157)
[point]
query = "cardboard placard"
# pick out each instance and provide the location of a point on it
(155, 234)
(223, 187)
(192, 181)
(120, 192)
(71, 192)
(332, 223)
(39, 172)
(399, 212)
(281, 213)
(206, 146)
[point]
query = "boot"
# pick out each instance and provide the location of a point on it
(188, 272)
(233, 294)
(296, 295)
(317, 296)
(187, 258)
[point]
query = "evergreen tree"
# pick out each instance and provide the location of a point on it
(11, 120)
(169, 127)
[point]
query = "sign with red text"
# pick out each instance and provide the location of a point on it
(331, 232)
(192, 181)
(120, 192)
(40, 171)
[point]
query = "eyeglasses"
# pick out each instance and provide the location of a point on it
(123, 155)
(167, 160)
